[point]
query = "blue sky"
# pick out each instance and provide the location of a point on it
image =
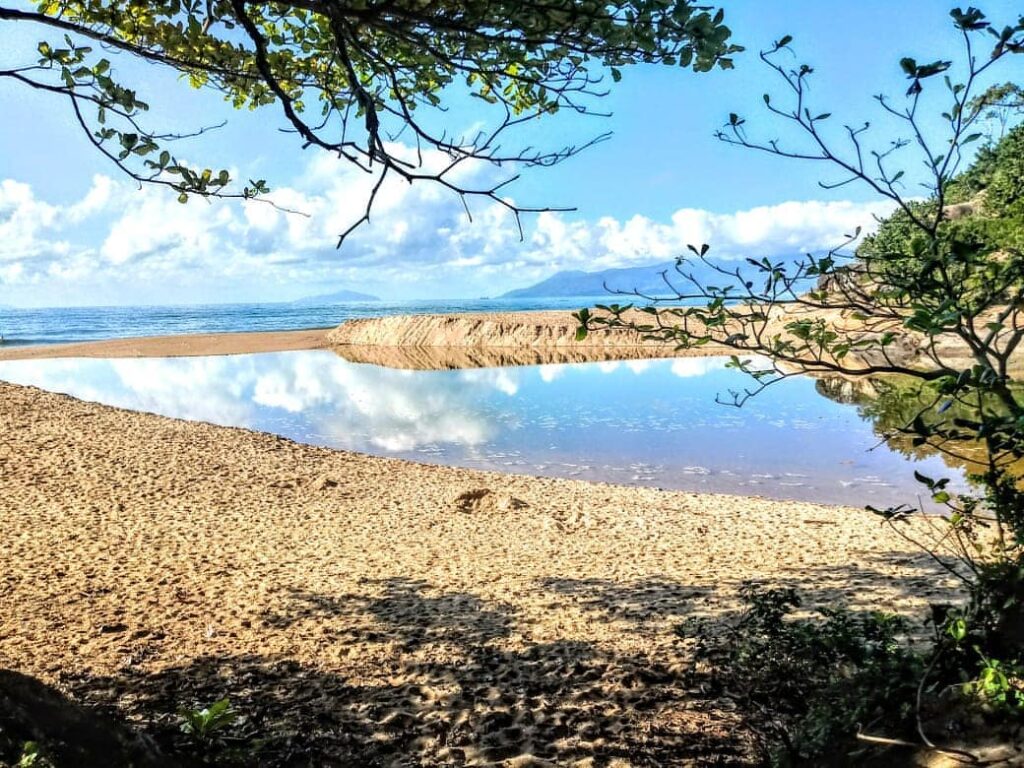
(73, 232)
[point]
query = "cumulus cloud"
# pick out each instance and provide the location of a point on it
(418, 243)
(23, 221)
(786, 228)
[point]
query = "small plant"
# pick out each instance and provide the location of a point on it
(1000, 685)
(206, 724)
(32, 757)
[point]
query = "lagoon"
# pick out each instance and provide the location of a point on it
(650, 422)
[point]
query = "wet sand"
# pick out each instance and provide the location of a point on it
(367, 611)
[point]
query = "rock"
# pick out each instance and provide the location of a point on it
(68, 733)
(484, 500)
(325, 482)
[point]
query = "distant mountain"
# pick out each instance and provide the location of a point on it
(646, 280)
(338, 297)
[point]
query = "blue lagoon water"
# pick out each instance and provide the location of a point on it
(652, 422)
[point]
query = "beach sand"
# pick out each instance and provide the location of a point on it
(366, 611)
(184, 345)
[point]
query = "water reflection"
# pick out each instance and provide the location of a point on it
(650, 422)
(892, 403)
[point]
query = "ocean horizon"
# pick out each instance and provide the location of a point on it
(60, 325)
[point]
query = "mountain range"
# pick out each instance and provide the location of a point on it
(336, 297)
(646, 280)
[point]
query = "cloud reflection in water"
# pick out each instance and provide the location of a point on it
(653, 422)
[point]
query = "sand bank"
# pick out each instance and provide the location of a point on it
(430, 342)
(484, 329)
(482, 340)
(183, 345)
(368, 611)
(472, 340)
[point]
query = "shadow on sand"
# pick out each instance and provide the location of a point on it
(448, 679)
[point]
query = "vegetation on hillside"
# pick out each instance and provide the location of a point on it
(985, 207)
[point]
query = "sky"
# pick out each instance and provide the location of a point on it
(74, 232)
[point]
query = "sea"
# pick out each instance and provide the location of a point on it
(72, 324)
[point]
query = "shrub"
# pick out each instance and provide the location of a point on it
(807, 684)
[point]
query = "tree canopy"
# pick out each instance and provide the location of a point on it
(354, 78)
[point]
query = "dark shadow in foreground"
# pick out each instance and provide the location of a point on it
(73, 735)
(449, 679)
(440, 687)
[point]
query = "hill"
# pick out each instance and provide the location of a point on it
(337, 297)
(646, 280)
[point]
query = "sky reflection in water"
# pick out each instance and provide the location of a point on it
(651, 422)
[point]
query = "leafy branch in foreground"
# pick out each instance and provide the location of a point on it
(354, 79)
(935, 296)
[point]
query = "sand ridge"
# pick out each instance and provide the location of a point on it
(528, 329)
(368, 611)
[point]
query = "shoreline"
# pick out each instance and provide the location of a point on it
(153, 563)
(179, 345)
(412, 342)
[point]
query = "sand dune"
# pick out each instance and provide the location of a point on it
(367, 611)
(542, 329)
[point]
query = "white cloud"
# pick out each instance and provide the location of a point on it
(791, 227)
(552, 371)
(419, 242)
(23, 220)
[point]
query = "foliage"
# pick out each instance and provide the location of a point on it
(32, 757)
(208, 723)
(988, 635)
(354, 78)
(991, 193)
(935, 296)
(1000, 102)
(995, 172)
(811, 682)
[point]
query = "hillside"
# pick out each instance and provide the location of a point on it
(646, 280)
(984, 207)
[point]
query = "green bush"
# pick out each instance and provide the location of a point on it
(806, 685)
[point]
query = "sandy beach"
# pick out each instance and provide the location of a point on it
(378, 612)
(185, 345)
